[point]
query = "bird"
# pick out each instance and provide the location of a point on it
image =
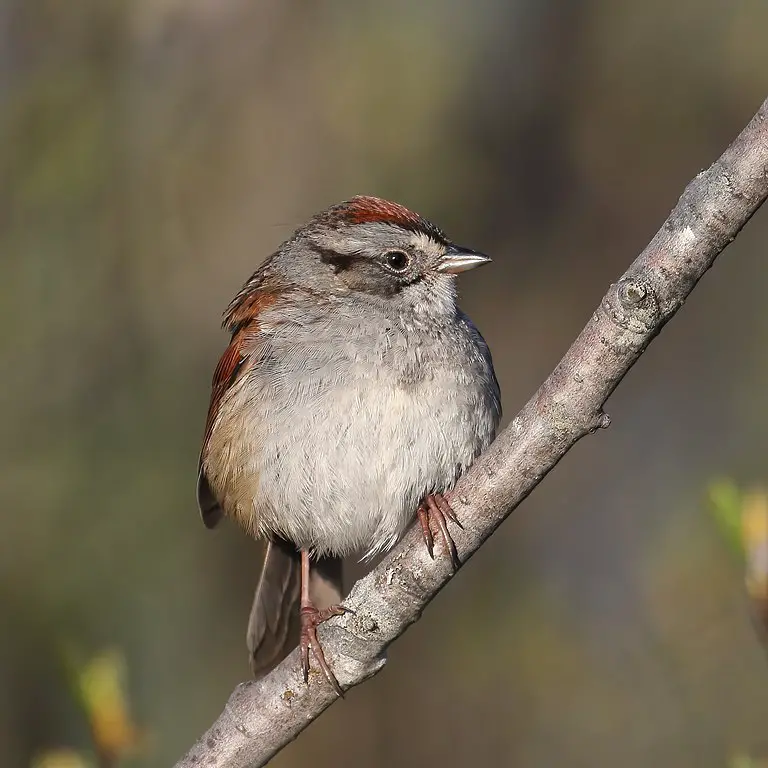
(352, 395)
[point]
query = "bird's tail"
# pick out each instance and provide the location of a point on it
(273, 626)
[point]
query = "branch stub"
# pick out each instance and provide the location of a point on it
(631, 304)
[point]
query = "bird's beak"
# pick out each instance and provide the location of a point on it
(457, 259)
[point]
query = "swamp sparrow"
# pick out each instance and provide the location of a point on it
(352, 395)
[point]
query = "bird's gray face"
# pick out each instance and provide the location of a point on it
(409, 269)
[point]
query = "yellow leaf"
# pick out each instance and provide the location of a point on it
(102, 688)
(754, 531)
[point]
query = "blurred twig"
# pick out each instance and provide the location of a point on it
(263, 716)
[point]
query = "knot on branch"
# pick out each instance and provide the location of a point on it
(632, 304)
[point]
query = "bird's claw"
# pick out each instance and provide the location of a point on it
(311, 619)
(437, 508)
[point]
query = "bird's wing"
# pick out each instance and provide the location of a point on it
(242, 319)
(233, 364)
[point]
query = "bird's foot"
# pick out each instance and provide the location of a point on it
(311, 619)
(436, 507)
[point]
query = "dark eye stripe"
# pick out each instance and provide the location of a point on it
(340, 261)
(395, 261)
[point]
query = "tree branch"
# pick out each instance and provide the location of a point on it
(263, 716)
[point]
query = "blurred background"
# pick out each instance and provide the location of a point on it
(153, 152)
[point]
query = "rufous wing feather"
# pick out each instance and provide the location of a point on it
(242, 320)
(231, 365)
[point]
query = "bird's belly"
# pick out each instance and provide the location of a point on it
(344, 472)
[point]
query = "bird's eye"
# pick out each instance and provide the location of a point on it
(397, 261)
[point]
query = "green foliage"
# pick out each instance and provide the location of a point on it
(725, 505)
